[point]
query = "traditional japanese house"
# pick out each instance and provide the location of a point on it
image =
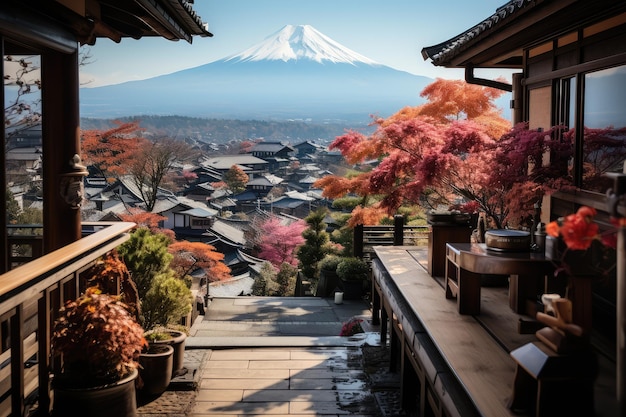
(569, 70)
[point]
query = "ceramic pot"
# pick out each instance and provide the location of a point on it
(156, 369)
(177, 341)
(352, 289)
(116, 399)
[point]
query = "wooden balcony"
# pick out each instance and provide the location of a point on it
(30, 297)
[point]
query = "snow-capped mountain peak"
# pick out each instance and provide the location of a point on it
(300, 42)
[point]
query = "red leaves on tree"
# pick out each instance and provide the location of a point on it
(455, 145)
(147, 219)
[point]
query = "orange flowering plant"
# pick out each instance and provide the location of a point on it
(579, 231)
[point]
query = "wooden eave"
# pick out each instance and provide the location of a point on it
(499, 42)
(118, 19)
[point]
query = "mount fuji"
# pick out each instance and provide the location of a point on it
(295, 73)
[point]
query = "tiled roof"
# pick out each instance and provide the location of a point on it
(271, 147)
(225, 162)
(259, 181)
(200, 212)
(232, 287)
(440, 54)
(227, 231)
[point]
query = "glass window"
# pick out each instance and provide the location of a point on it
(604, 135)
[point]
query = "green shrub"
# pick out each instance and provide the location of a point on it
(351, 269)
(330, 262)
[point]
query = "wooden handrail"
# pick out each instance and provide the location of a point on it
(42, 272)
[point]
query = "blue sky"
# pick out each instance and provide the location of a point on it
(392, 32)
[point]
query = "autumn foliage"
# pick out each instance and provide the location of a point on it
(148, 220)
(236, 179)
(279, 242)
(112, 151)
(455, 148)
(189, 256)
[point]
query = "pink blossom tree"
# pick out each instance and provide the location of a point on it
(279, 241)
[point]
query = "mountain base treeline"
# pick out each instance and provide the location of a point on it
(225, 130)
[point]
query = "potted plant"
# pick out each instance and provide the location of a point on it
(156, 369)
(98, 343)
(328, 275)
(167, 300)
(164, 296)
(169, 336)
(353, 273)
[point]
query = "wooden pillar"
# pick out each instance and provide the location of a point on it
(61, 141)
(398, 230)
(518, 98)
(358, 241)
(4, 256)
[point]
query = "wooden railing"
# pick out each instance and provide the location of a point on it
(30, 298)
(366, 237)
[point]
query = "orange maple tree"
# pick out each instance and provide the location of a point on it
(236, 178)
(147, 219)
(111, 151)
(421, 150)
(189, 256)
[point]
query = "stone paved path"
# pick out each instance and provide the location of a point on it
(280, 358)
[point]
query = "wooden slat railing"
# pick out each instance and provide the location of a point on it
(366, 237)
(30, 297)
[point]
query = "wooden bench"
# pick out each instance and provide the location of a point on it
(450, 364)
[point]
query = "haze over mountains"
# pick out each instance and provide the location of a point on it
(295, 73)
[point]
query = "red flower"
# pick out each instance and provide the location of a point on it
(579, 230)
(351, 327)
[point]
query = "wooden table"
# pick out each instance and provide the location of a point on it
(467, 262)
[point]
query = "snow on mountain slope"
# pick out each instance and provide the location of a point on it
(300, 42)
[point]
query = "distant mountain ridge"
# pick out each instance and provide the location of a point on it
(295, 73)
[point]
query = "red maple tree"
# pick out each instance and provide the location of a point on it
(455, 148)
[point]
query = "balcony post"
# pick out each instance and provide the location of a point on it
(358, 241)
(398, 230)
(61, 141)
